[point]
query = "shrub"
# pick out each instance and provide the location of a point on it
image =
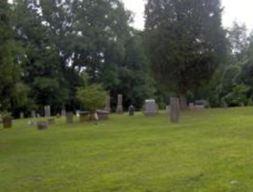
(92, 97)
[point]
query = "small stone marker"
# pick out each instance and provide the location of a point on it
(102, 115)
(22, 115)
(150, 107)
(131, 110)
(191, 106)
(78, 113)
(108, 103)
(33, 114)
(47, 110)
(63, 112)
(69, 117)
(42, 125)
(174, 109)
(119, 108)
(167, 109)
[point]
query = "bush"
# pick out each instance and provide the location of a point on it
(92, 97)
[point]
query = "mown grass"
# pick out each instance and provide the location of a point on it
(208, 151)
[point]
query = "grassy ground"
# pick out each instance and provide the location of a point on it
(209, 151)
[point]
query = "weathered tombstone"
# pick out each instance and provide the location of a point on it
(191, 106)
(47, 110)
(167, 109)
(201, 104)
(131, 110)
(69, 117)
(108, 103)
(33, 114)
(102, 115)
(119, 108)
(78, 113)
(22, 115)
(38, 115)
(42, 125)
(150, 107)
(174, 109)
(63, 112)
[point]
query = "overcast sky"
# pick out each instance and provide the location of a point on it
(239, 10)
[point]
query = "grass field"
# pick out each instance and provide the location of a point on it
(209, 151)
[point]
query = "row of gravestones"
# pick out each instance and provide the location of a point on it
(151, 108)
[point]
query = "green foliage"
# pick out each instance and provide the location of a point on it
(92, 97)
(186, 42)
(238, 96)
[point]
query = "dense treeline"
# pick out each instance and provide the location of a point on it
(50, 48)
(67, 44)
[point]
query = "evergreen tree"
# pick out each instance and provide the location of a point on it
(185, 41)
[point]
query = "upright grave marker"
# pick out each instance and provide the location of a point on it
(63, 112)
(119, 108)
(47, 110)
(174, 109)
(150, 107)
(33, 114)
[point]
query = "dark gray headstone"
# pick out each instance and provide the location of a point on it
(131, 110)
(174, 110)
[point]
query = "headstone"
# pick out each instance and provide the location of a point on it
(38, 115)
(201, 104)
(63, 112)
(42, 125)
(102, 115)
(191, 106)
(47, 110)
(167, 109)
(33, 114)
(78, 113)
(119, 108)
(21, 115)
(174, 109)
(131, 110)
(108, 103)
(69, 117)
(150, 107)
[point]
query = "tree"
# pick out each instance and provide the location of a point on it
(185, 41)
(92, 97)
(134, 73)
(9, 61)
(238, 40)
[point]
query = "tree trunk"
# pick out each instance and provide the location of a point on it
(183, 102)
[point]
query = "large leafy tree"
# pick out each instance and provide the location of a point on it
(10, 62)
(186, 42)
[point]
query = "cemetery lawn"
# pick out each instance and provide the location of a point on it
(209, 151)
